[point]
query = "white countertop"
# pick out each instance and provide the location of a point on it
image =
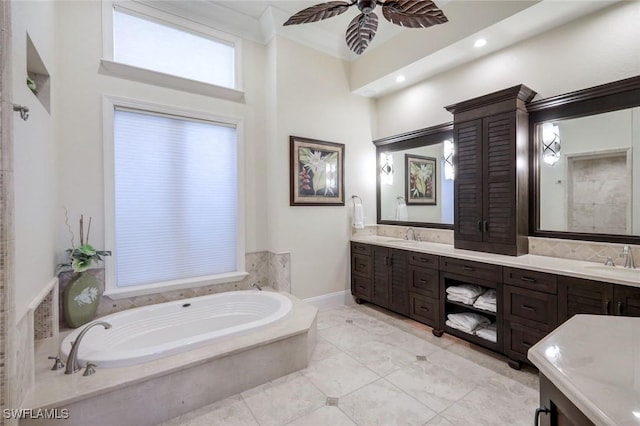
(594, 360)
(553, 265)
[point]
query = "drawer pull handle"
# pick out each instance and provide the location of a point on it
(361, 286)
(526, 344)
(423, 259)
(528, 308)
(467, 268)
(528, 279)
(539, 411)
(422, 281)
(424, 308)
(479, 225)
(485, 224)
(362, 265)
(619, 308)
(605, 307)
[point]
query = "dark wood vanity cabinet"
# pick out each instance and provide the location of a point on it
(379, 275)
(556, 409)
(530, 310)
(424, 288)
(582, 296)
(491, 197)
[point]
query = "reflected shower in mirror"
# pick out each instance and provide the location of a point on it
(587, 177)
(415, 178)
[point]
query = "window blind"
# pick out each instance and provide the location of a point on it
(175, 198)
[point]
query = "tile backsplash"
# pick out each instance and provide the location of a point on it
(590, 251)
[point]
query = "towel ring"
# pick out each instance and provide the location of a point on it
(401, 200)
(353, 197)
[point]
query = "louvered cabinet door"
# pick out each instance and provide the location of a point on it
(468, 182)
(499, 171)
(380, 282)
(399, 289)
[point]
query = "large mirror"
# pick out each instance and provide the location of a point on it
(415, 178)
(587, 180)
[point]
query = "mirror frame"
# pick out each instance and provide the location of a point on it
(608, 97)
(415, 139)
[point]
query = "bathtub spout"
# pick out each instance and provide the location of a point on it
(72, 360)
(256, 286)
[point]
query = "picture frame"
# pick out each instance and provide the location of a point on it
(316, 172)
(420, 180)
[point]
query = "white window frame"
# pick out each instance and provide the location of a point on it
(110, 67)
(110, 103)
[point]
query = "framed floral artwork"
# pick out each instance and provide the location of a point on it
(317, 172)
(420, 180)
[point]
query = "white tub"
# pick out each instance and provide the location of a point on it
(157, 331)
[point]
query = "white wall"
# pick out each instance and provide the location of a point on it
(80, 133)
(313, 100)
(35, 154)
(596, 49)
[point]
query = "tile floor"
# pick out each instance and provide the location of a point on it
(371, 367)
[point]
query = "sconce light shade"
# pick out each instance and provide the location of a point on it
(550, 143)
(386, 168)
(448, 160)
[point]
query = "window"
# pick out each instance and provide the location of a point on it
(141, 42)
(174, 203)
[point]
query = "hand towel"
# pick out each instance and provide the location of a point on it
(488, 333)
(358, 216)
(468, 321)
(401, 212)
(466, 290)
(486, 301)
(461, 298)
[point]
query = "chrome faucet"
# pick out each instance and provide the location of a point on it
(628, 257)
(256, 286)
(72, 359)
(413, 234)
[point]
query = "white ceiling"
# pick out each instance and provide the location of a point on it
(416, 53)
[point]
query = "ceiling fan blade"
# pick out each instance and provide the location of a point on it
(361, 31)
(319, 12)
(413, 13)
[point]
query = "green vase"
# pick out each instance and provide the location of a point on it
(80, 299)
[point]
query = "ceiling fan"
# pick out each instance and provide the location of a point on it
(362, 29)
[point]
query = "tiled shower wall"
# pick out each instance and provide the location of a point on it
(264, 268)
(7, 332)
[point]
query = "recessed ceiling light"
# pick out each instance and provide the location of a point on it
(400, 79)
(480, 42)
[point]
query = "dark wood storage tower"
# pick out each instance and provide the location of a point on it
(491, 147)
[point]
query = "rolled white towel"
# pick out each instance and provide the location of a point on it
(358, 216)
(457, 326)
(454, 297)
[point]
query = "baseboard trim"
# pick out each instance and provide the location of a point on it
(331, 300)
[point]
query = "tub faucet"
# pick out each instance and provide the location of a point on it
(628, 257)
(256, 286)
(72, 359)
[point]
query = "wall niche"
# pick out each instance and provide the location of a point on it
(38, 77)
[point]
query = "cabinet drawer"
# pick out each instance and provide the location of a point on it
(532, 280)
(361, 265)
(361, 248)
(520, 338)
(424, 282)
(424, 260)
(532, 308)
(423, 309)
(485, 271)
(361, 287)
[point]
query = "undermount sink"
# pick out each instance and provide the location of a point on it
(396, 240)
(615, 270)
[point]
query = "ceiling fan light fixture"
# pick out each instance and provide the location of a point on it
(362, 29)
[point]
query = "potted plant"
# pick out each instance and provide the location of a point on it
(82, 294)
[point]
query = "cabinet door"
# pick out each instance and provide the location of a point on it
(627, 301)
(580, 296)
(468, 182)
(499, 179)
(398, 290)
(380, 282)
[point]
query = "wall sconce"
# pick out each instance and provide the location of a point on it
(448, 160)
(386, 168)
(550, 143)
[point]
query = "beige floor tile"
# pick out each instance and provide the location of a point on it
(324, 416)
(382, 404)
(322, 351)
(346, 336)
(339, 375)
(283, 400)
(230, 411)
(382, 357)
(439, 421)
(498, 401)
